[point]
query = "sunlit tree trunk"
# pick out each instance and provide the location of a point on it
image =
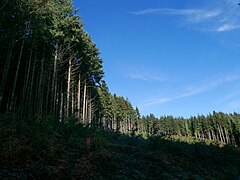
(79, 97)
(68, 87)
(54, 80)
(220, 134)
(61, 104)
(73, 101)
(226, 135)
(90, 113)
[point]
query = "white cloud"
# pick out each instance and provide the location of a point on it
(227, 27)
(193, 15)
(147, 75)
(211, 83)
(204, 15)
(219, 16)
(156, 101)
(202, 87)
(166, 11)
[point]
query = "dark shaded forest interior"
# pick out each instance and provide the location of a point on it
(50, 150)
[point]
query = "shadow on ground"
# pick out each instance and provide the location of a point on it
(47, 149)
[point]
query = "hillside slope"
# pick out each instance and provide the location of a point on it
(52, 150)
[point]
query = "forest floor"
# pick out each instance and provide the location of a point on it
(50, 150)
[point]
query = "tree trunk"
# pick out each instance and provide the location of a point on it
(61, 105)
(233, 141)
(54, 80)
(90, 108)
(225, 134)
(209, 135)
(30, 97)
(84, 101)
(26, 84)
(5, 71)
(86, 111)
(40, 88)
(79, 97)
(47, 96)
(12, 104)
(90, 113)
(114, 122)
(73, 100)
(68, 87)
(221, 134)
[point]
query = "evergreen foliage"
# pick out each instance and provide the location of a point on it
(49, 64)
(215, 127)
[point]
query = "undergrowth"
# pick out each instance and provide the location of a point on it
(48, 149)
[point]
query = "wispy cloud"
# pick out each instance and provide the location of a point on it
(193, 15)
(227, 27)
(211, 83)
(167, 11)
(218, 17)
(147, 77)
(204, 15)
(231, 99)
(201, 87)
(156, 101)
(146, 74)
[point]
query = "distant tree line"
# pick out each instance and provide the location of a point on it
(118, 113)
(217, 127)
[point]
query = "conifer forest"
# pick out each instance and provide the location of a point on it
(58, 119)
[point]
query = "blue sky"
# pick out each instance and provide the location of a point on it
(169, 57)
